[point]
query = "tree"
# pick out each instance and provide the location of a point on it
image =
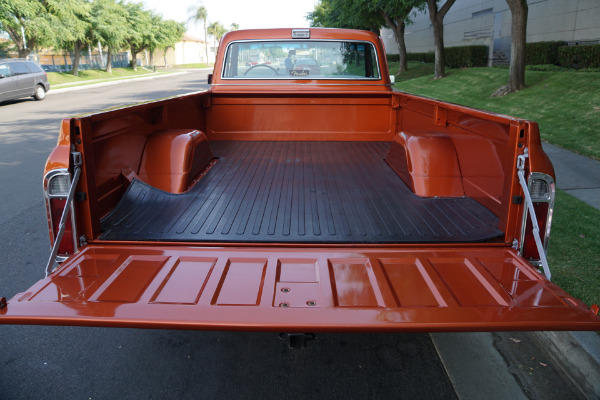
(436, 16)
(27, 24)
(396, 14)
(108, 19)
(349, 14)
(235, 26)
(370, 15)
(73, 16)
(516, 75)
(138, 29)
(170, 33)
(217, 30)
(200, 14)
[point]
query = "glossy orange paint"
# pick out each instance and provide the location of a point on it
(427, 163)
(173, 158)
(286, 289)
(486, 144)
(271, 286)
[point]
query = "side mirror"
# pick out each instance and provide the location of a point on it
(393, 79)
(209, 78)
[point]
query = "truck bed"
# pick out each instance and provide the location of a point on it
(297, 192)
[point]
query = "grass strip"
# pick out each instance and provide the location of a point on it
(565, 104)
(59, 78)
(189, 66)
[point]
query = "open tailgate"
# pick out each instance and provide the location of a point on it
(303, 290)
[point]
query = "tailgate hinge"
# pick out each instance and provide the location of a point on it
(63, 219)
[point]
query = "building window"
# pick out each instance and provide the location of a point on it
(482, 12)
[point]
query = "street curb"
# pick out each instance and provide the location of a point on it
(112, 82)
(577, 354)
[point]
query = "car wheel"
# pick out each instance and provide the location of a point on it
(39, 93)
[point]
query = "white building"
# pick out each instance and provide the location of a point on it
(189, 50)
(487, 22)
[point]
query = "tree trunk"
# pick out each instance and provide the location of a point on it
(133, 59)
(437, 21)
(165, 55)
(109, 61)
(23, 53)
(16, 37)
(398, 26)
(77, 47)
(438, 41)
(205, 42)
(516, 75)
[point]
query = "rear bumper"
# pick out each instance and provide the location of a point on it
(300, 290)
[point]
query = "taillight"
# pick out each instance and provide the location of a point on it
(56, 191)
(542, 190)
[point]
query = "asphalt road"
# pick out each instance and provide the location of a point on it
(103, 363)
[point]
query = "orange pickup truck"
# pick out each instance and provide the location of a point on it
(301, 193)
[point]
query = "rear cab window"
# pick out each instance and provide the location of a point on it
(301, 59)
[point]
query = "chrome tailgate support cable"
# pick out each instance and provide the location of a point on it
(63, 219)
(529, 204)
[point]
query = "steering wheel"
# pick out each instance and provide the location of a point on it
(261, 65)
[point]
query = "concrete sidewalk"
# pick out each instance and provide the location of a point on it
(576, 174)
(576, 353)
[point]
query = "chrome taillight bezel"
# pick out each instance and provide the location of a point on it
(549, 199)
(54, 174)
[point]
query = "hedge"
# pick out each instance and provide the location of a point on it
(456, 57)
(586, 56)
(540, 53)
(466, 56)
(422, 57)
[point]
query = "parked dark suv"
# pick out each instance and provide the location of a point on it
(22, 78)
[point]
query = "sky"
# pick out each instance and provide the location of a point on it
(249, 14)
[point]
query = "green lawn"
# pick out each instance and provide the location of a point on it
(573, 251)
(565, 104)
(57, 78)
(567, 107)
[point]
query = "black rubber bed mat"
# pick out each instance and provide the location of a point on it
(297, 192)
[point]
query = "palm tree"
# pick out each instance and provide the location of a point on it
(235, 26)
(217, 30)
(198, 14)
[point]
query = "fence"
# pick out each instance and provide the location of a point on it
(64, 62)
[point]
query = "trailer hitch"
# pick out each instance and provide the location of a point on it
(297, 341)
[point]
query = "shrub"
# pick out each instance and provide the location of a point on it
(466, 56)
(545, 68)
(393, 57)
(540, 53)
(422, 57)
(585, 56)
(456, 57)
